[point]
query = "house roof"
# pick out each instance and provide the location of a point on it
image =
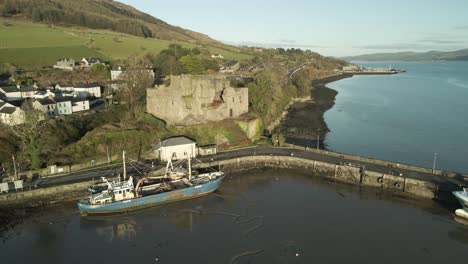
(94, 60)
(175, 141)
(8, 110)
(78, 99)
(231, 63)
(28, 88)
(2, 104)
(10, 89)
(62, 99)
(65, 84)
(45, 101)
(87, 85)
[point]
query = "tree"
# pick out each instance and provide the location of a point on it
(100, 71)
(29, 134)
(137, 80)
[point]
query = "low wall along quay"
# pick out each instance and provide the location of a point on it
(424, 187)
(341, 173)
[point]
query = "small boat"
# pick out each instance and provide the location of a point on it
(462, 197)
(124, 196)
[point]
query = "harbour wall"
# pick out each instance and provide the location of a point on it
(50, 195)
(340, 173)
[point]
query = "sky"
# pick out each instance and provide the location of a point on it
(331, 27)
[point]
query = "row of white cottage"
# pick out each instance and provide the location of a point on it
(16, 93)
(66, 99)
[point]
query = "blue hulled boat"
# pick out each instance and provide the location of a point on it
(462, 197)
(174, 186)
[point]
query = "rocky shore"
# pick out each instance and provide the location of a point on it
(305, 120)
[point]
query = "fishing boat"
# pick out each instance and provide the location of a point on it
(462, 197)
(125, 196)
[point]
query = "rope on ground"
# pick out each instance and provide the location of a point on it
(245, 254)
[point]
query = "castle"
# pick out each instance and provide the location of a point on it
(192, 100)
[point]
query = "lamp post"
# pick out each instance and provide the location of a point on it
(434, 164)
(318, 139)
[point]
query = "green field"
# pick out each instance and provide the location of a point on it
(32, 45)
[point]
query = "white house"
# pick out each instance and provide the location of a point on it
(64, 86)
(90, 62)
(176, 148)
(65, 64)
(87, 89)
(79, 104)
(217, 56)
(11, 115)
(16, 93)
(12, 93)
(28, 91)
(64, 106)
(41, 94)
(116, 73)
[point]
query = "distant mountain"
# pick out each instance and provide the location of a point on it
(99, 14)
(459, 55)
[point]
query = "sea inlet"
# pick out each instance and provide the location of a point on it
(263, 216)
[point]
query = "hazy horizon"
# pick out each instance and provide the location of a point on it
(334, 28)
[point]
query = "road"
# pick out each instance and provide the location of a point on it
(444, 183)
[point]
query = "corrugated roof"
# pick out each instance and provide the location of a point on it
(175, 141)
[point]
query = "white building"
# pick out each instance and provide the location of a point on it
(176, 148)
(79, 105)
(11, 115)
(16, 93)
(65, 64)
(90, 62)
(41, 94)
(64, 86)
(87, 89)
(217, 56)
(116, 73)
(12, 93)
(64, 106)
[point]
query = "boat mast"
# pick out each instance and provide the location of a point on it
(189, 169)
(124, 167)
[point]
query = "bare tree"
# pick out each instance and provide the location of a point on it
(137, 79)
(29, 134)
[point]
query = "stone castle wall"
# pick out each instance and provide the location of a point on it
(191, 100)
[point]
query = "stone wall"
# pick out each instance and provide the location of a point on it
(341, 173)
(191, 100)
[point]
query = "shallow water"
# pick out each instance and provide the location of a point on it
(282, 216)
(406, 117)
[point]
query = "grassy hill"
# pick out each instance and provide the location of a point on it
(459, 55)
(99, 14)
(32, 45)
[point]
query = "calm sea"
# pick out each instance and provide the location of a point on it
(269, 217)
(405, 118)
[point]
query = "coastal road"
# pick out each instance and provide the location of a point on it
(444, 182)
(134, 168)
